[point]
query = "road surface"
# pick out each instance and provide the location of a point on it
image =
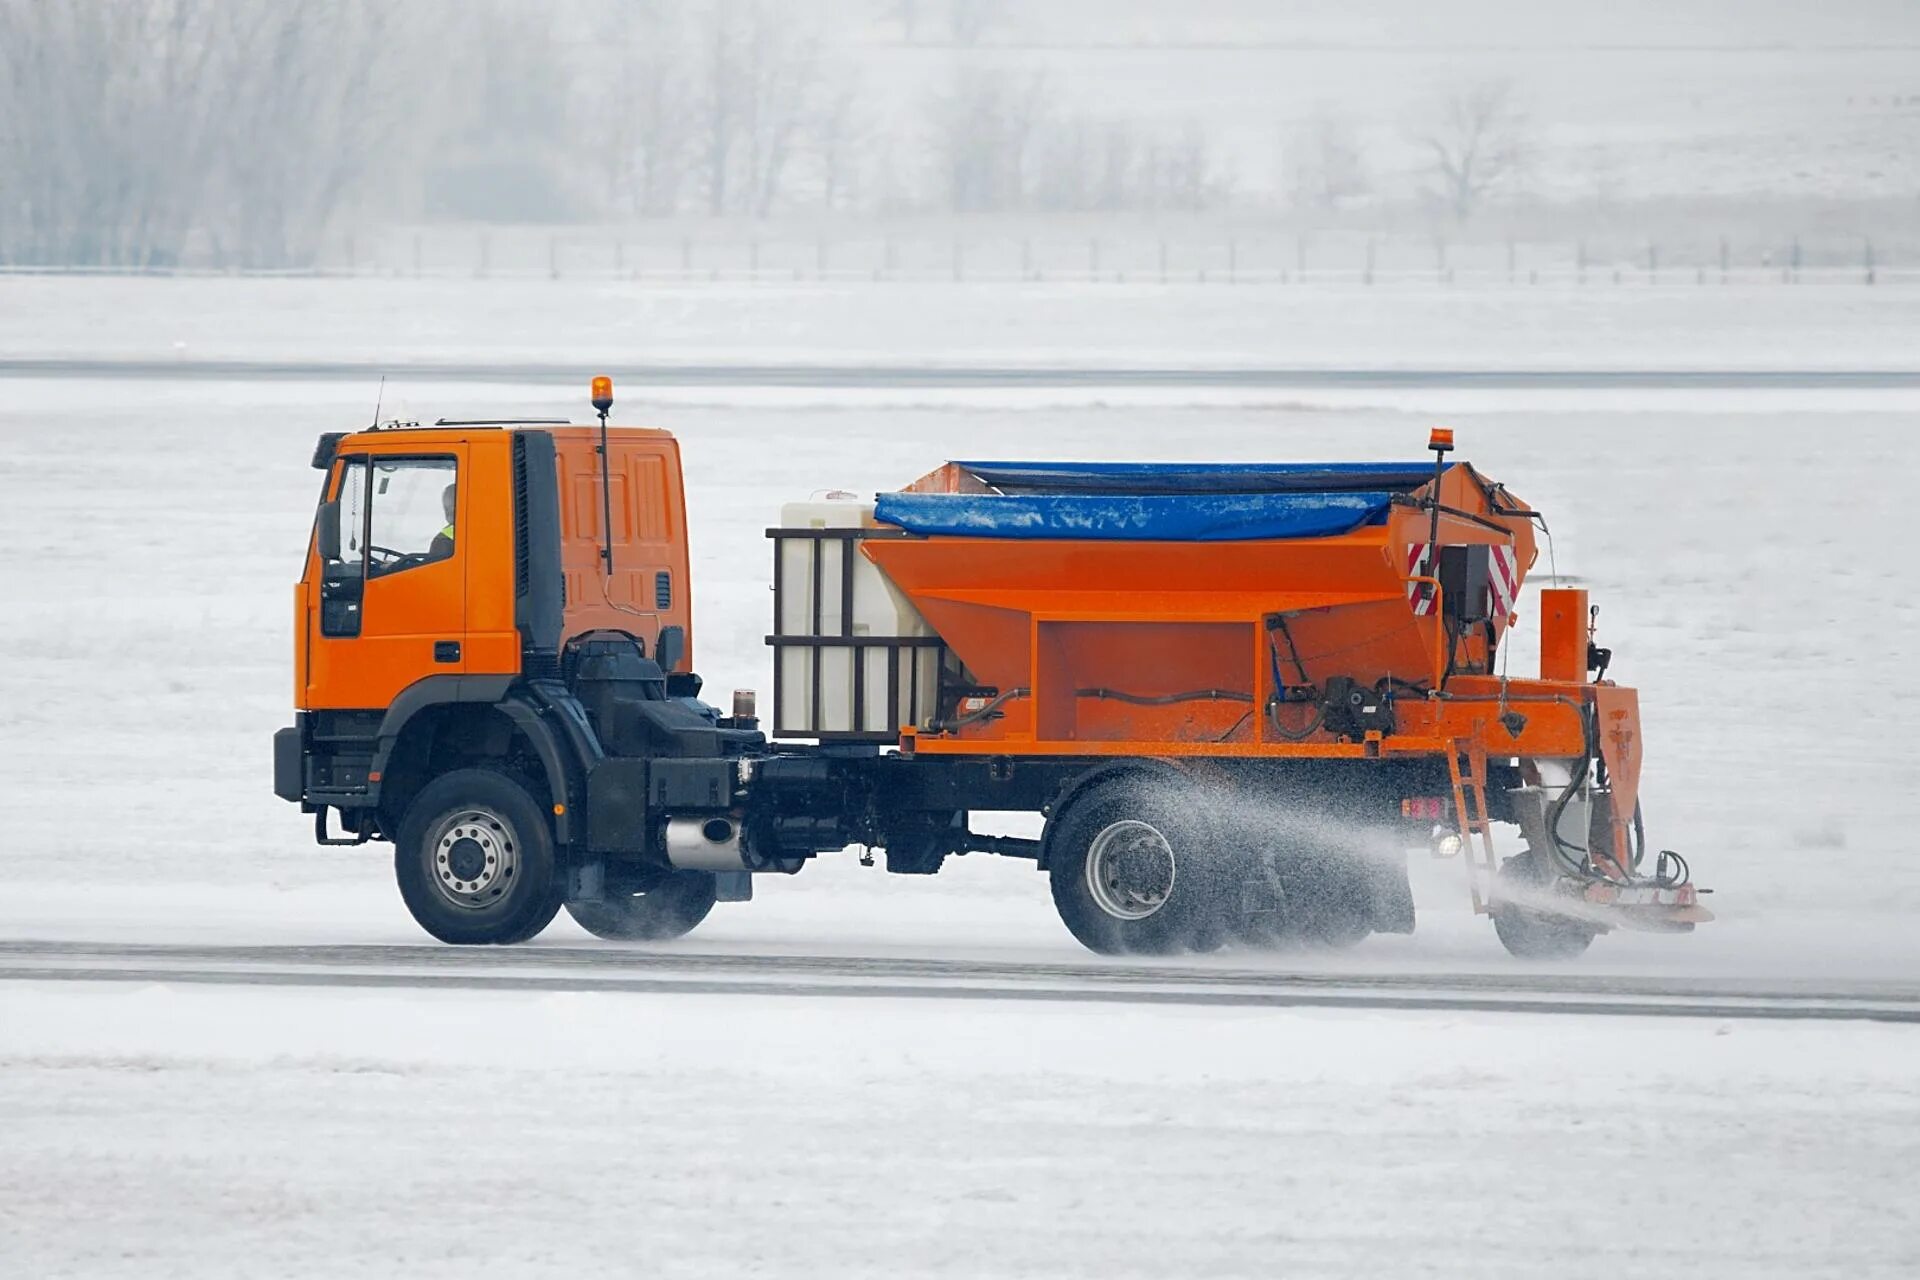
(620, 969)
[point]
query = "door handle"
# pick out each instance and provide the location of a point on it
(446, 651)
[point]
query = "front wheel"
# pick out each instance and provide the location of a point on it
(1132, 869)
(668, 910)
(474, 860)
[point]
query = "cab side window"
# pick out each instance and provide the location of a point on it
(404, 519)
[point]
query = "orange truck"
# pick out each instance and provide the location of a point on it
(1237, 694)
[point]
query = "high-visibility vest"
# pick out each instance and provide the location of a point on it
(447, 533)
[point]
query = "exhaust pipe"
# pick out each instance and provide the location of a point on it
(705, 844)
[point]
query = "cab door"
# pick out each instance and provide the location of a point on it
(388, 600)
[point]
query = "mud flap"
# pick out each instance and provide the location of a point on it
(1392, 893)
(1261, 901)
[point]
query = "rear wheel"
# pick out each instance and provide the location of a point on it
(474, 860)
(670, 909)
(1527, 931)
(1133, 869)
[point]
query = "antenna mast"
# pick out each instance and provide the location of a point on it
(603, 401)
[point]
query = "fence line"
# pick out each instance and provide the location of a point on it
(1465, 278)
(1114, 259)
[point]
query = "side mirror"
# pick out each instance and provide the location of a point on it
(327, 529)
(670, 648)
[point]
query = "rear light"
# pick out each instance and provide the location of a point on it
(1424, 808)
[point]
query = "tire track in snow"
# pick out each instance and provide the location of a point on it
(631, 970)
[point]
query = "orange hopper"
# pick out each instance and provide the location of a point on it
(1163, 580)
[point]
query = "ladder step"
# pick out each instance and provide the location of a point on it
(1467, 771)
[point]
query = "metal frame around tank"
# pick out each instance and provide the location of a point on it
(917, 649)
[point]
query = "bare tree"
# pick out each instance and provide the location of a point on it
(968, 20)
(837, 135)
(720, 106)
(1185, 177)
(309, 83)
(1068, 159)
(128, 127)
(761, 70)
(1476, 143)
(643, 116)
(1122, 155)
(907, 13)
(1322, 164)
(101, 106)
(782, 70)
(983, 131)
(1089, 163)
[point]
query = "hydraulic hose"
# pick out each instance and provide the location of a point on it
(1166, 699)
(1558, 846)
(1579, 866)
(1295, 735)
(1670, 872)
(979, 713)
(1115, 695)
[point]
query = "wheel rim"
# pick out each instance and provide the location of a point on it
(1130, 870)
(475, 857)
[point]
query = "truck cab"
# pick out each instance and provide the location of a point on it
(461, 580)
(475, 551)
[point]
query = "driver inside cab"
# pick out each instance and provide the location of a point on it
(442, 545)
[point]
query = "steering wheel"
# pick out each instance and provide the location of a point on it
(391, 555)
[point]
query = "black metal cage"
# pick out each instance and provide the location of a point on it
(827, 635)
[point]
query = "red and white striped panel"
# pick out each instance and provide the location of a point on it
(1419, 594)
(1503, 579)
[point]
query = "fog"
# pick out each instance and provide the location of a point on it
(401, 135)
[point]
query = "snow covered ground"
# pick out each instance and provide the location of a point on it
(1745, 550)
(212, 1133)
(621, 324)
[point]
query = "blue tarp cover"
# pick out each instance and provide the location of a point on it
(1199, 477)
(1161, 502)
(1157, 517)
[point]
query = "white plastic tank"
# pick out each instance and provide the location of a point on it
(857, 605)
